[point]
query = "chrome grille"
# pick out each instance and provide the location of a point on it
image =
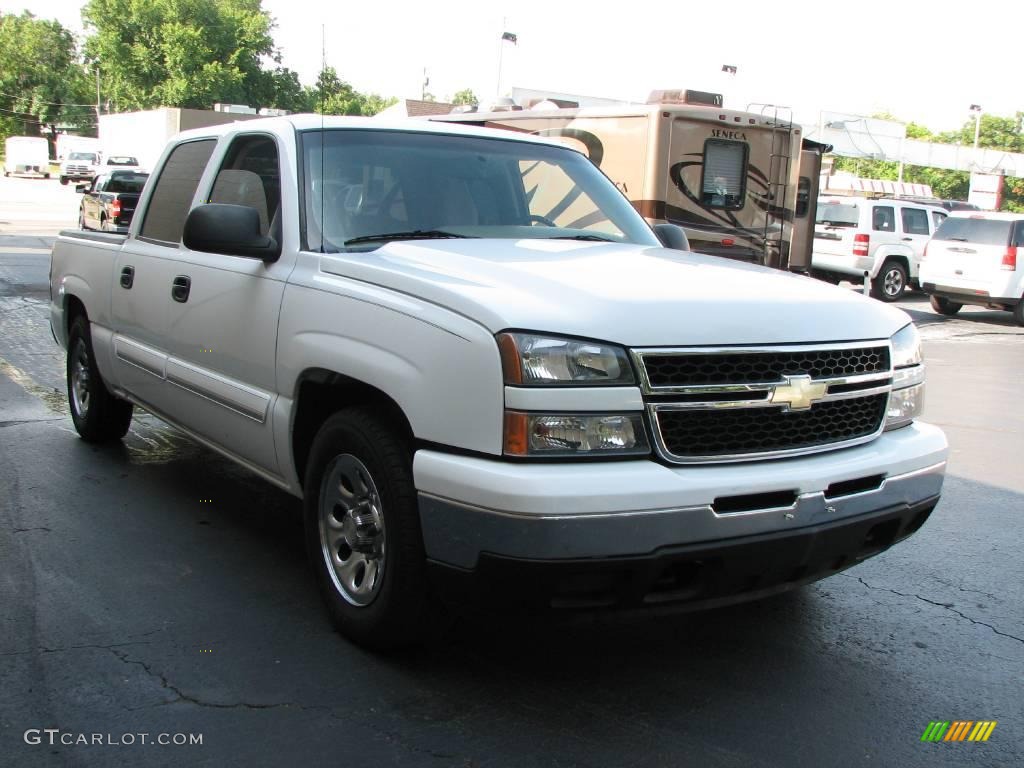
(745, 403)
(676, 370)
(744, 431)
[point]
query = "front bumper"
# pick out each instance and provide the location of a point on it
(478, 512)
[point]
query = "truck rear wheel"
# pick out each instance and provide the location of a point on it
(1018, 312)
(945, 306)
(891, 281)
(97, 414)
(363, 532)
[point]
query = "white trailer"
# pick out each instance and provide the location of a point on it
(27, 156)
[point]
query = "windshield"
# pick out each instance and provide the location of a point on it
(978, 231)
(837, 214)
(362, 184)
(89, 157)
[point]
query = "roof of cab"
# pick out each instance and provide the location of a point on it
(997, 215)
(309, 122)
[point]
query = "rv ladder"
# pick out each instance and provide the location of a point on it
(780, 119)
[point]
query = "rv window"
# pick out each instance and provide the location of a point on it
(803, 197)
(725, 174)
(915, 221)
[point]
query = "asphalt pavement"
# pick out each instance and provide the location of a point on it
(154, 588)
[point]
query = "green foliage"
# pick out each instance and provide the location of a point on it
(334, 96)
(182, 53)
(465, 96)
(996, 133)
(41, 78)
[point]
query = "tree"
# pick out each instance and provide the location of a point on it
(42, 82)
(183, 53)
(465, 96)
(334, 96)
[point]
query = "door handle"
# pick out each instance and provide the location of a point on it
(908, 239)
(127, 277)
(180, 288)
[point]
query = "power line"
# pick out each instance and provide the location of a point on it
(46, 103)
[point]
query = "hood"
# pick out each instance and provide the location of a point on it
(632, 295)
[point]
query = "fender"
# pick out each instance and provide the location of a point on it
(897, 250)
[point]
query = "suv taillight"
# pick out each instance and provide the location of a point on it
(115, 208)
(1009, 262)
(860, 244)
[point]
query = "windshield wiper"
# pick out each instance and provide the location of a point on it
(599, 238)
(414, 234)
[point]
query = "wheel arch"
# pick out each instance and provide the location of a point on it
(320, 393)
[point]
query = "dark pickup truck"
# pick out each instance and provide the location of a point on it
(109, 202)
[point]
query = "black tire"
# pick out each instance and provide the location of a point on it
(103, 223)
(945, 306)
(64, 180)
(891, 282)
(394, 610)
(1018, 312)
(98, 416)
(827, 277)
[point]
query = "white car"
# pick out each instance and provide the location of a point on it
(972, 259)
(884, 237)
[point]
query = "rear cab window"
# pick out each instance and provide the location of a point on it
(174, 191)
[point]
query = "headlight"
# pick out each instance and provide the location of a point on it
(907, 398)
(574, 434)
(906, 347)
(531, 360)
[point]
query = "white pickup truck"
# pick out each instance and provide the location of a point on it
(486, 377)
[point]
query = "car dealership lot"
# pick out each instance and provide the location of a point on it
(155, 588)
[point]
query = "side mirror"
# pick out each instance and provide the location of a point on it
(80, 188)
(233, 230)
(672, 236)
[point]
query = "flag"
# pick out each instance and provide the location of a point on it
(510, 37)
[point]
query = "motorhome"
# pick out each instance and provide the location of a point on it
(730, 178)
(27, 156)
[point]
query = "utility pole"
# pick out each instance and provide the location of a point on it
(97, 99)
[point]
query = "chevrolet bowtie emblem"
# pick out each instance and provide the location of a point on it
(798, 393)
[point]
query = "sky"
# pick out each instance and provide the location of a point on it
(921, 61)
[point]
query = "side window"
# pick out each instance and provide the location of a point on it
(883, 218)
(803, 197)
(251, 176)
(915, 221)
(937, 218)
(175, 187)
(724, 181)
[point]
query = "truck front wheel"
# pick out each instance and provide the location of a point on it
(64, 180)
(97, 414)
(363, 532)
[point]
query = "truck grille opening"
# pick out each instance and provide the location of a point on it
(693, 369)
(744, 431)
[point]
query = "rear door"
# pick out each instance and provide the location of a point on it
(144, 274)
(915, 230)
(967, 252)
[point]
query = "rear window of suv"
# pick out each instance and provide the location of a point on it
(838, 214)
(978, 231)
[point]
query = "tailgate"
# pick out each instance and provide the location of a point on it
(968, 252)
(835, 226)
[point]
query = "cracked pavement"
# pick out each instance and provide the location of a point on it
(130, 607)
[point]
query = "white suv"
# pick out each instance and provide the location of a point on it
(973, 260)
(884, 237)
